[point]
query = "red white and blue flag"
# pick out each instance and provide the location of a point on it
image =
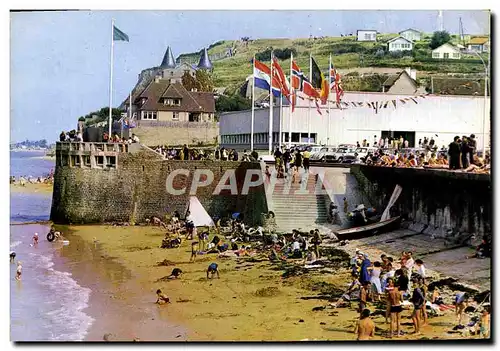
(262, 76)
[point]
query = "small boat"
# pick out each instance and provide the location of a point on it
(383, 224)
(369, 230)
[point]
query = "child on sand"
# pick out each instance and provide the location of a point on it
(161, 298)
(365, 328)
(35, 239)
(19, 270)
(213, 269)
(484, 326)
(193, 251)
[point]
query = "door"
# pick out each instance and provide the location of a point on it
(407, 135)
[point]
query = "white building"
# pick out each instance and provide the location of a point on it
(446, 51)
(411, 34)
(444, 116)
(479, 44)
(366, 35)
(399, 44)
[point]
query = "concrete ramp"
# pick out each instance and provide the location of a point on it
(339, 183)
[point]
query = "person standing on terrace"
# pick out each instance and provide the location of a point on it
(454, 153)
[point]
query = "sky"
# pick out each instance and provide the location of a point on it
(59, 61)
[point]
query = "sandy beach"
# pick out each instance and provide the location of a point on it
(41, 188)
(251, 301)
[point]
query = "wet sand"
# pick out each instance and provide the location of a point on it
(116, 302)
(250, 302)
(32, 188)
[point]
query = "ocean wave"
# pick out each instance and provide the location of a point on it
(66, 320)
(15, 243)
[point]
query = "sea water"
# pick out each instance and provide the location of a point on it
(46, 304)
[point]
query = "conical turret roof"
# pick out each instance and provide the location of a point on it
(204, 60)
(168, 59)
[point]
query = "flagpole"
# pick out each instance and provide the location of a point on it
(271, 109)
(309, 109)
(291, 106)
(253, 104)
(328, 99)
(111, 79)
(281, 120)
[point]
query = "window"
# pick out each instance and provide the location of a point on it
(64, 160)
(446, 55)
(75, 160)
(148, 114)
(86, 160)
(177, 102)
(99, 161)
(435, 55)
(368, 36)
(111, 161)
(175, 116)
(456, 55)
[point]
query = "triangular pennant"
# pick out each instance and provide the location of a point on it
(403, 101)
(385, 105)
(415, 100)
(394, 103)
(407, 99)
(353, 104)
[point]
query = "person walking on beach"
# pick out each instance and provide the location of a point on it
(365, 328)
(19, 270)
(213, 269)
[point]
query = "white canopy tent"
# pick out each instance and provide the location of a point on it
(199, 215)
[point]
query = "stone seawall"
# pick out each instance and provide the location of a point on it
(154, 133)
(448, 203)
(134, 188)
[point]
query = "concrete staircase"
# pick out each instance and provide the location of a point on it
(296, 206)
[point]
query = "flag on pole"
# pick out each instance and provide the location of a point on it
(297, 77)
(336, 83)
(119, 35)
(262, 74)
(280, 78)
(319, 82)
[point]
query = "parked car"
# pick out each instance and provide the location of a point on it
(320, 155)
(363, 151)
(340, 154)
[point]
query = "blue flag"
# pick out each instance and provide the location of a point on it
(119, 35)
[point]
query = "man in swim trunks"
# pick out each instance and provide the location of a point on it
(161, 298)
(363, 296)
(365, 328)
(213, 269)
(394, 299)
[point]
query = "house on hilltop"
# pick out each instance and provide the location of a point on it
(399, 44)
(404, 83)
(411, 34)
(168, 100)
(366, 35)
(446, 51)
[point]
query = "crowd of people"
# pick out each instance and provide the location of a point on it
(72, 136)
(460, 155)
(402, 285)
(23, 180)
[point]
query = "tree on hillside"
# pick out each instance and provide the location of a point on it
(102, 115)
(439, 38)
(188, 81)
(204, 81)
(234, 102)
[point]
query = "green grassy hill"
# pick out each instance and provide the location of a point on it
(347, 53)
